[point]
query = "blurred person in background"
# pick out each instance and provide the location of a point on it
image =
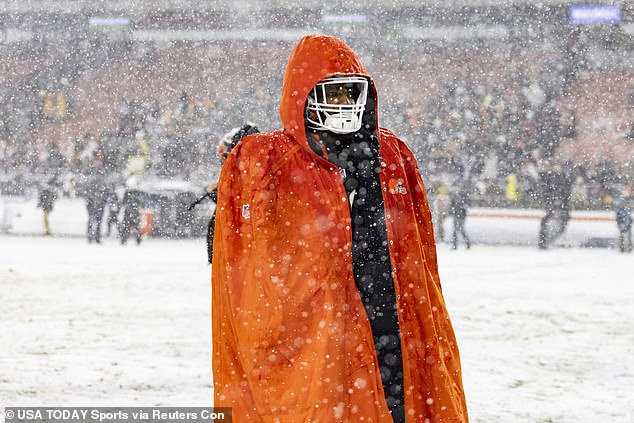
(112, 201)
(622, 206)
(131, 220)
(458, 210)
(556, 189)
(46, 198)
(96, 196)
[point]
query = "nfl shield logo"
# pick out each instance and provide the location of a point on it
(246, 211)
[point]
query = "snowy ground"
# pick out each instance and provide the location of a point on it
(545, 336)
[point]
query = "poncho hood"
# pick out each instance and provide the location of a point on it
(315, 58)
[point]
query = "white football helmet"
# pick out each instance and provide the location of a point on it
(337, 104)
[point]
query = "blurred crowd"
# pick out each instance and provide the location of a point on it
(492, 139)
(169, 141)
(106, 171)
(498, 140)
(480, 141)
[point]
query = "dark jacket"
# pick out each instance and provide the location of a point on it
(623, 210)
(46, 198)
(459, 204)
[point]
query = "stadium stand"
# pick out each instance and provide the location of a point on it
(507, 88)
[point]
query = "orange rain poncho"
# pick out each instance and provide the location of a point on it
(291, 338)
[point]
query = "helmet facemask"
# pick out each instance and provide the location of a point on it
(337, 104)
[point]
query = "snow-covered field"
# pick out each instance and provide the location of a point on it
(545, 336)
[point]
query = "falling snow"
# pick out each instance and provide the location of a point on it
(115, 120)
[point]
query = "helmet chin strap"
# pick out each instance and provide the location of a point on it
(342, 123)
